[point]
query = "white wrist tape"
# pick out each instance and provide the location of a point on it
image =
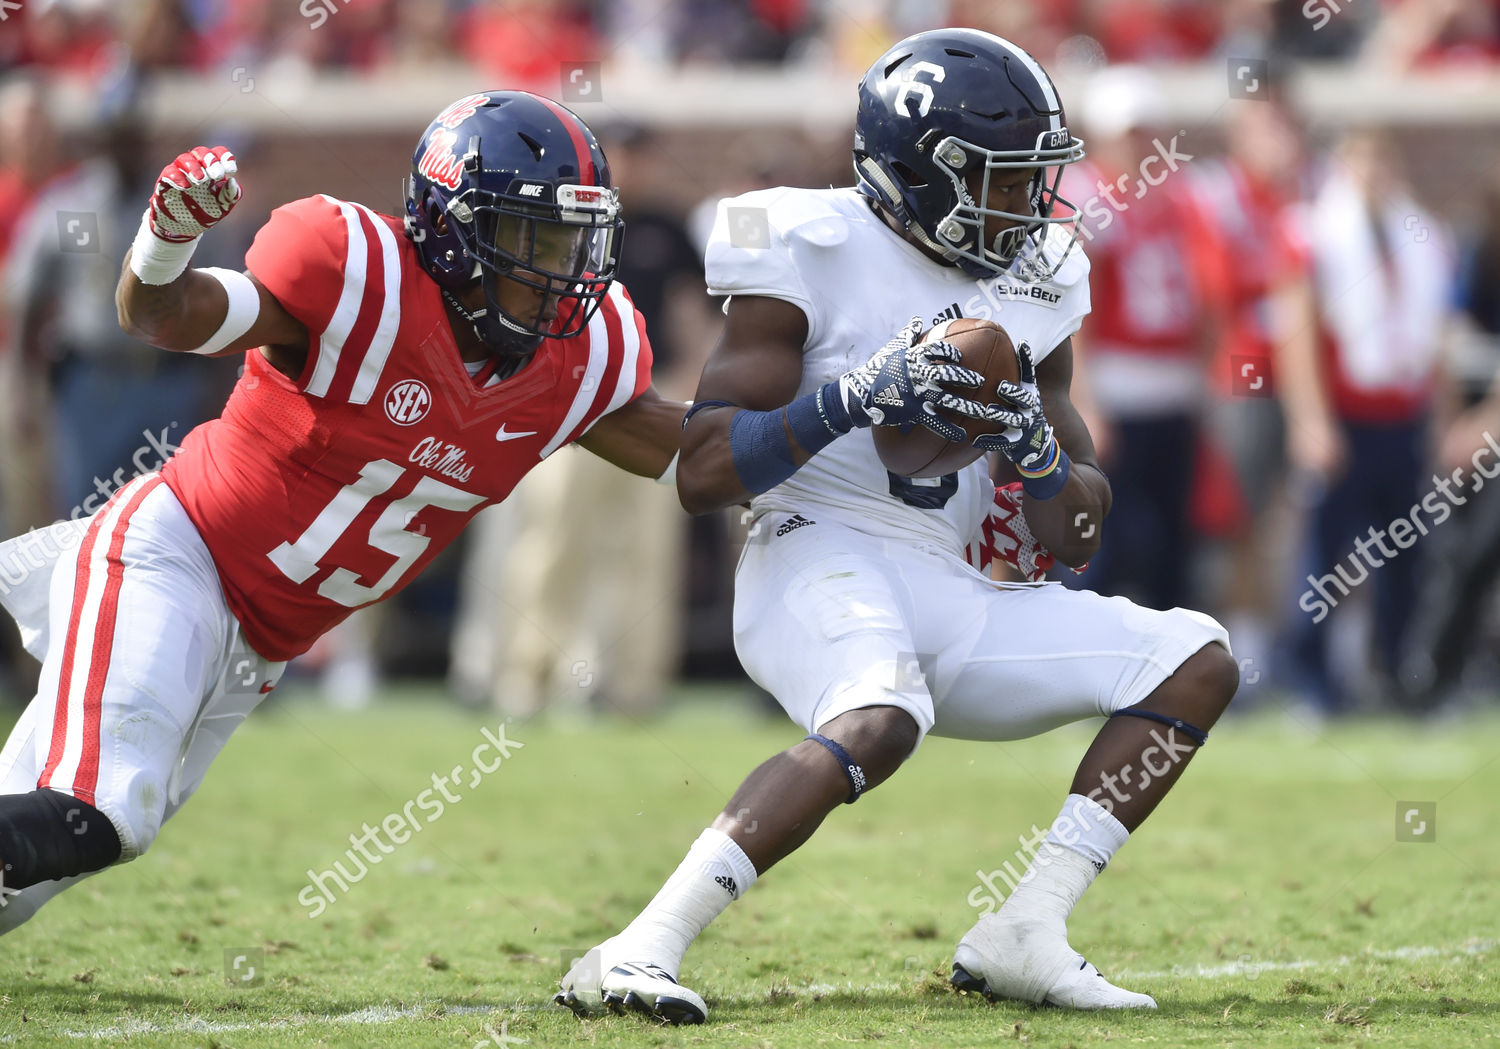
(157, 261)
(244, 308)
(669, 475)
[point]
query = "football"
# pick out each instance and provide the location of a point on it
(919, 452)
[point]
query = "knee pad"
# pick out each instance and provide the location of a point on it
(46, 835)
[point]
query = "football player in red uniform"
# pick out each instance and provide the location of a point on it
(400, 375)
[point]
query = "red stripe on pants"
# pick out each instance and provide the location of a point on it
(85, 781)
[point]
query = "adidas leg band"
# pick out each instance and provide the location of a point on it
(1197, 735)
(852, 771)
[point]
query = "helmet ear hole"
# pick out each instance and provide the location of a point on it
(909, 175)
(435, 210)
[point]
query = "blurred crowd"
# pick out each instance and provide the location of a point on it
(1288, 372)
(525, 40)
(1292, 350)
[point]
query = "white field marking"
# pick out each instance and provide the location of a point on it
(1250, 969)
(375, 1014)
(384, 1014)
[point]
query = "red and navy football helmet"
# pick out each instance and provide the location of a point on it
(939, 107)
(525, 191)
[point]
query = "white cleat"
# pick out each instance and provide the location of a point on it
(1030, 961)
(589, 989)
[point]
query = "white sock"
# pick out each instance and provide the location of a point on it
(1083, 838)
(714, 873)
(1088, 828)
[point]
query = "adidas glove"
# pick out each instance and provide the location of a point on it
(902, 385)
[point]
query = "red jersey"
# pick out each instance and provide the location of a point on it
(318, 495)
(1152, 275)
(1254, 234)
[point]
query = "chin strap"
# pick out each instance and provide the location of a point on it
(513, 344)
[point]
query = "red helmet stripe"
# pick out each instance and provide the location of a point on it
(574, 126)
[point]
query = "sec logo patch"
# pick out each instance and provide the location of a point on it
(408, 402)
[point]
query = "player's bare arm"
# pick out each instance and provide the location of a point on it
(185, 314)
(640, 438)
(1055, 522)
(757, 365)
(960, 146)
(755, 435)
(215, 313)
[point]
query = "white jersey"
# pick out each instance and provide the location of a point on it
(859, 282)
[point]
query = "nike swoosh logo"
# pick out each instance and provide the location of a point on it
(510, 435)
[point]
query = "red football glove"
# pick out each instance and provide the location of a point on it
(193, 193)
(1004, 534)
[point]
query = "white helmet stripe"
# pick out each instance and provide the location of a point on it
(1049, 95)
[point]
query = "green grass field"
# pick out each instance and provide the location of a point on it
(1268, 902)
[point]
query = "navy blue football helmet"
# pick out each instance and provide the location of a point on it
(943, 105)
(526, 194)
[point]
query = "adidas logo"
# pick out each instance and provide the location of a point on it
(952, 313)
(794, 522)
(889, 396)
(857, 777)
(727, 883)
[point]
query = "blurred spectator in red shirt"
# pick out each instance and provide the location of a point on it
(28, 152)
(1153, 30)
(29, 162)
(1267, 304)
(1148, 338)
(527, 42)
(66, 36)
(1436, 32)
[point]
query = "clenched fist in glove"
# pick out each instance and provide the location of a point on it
(1027, 440)
(902, 385)
(192, 194)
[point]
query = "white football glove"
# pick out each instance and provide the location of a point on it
(193, 193)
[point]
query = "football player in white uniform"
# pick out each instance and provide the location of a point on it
(854, 603)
